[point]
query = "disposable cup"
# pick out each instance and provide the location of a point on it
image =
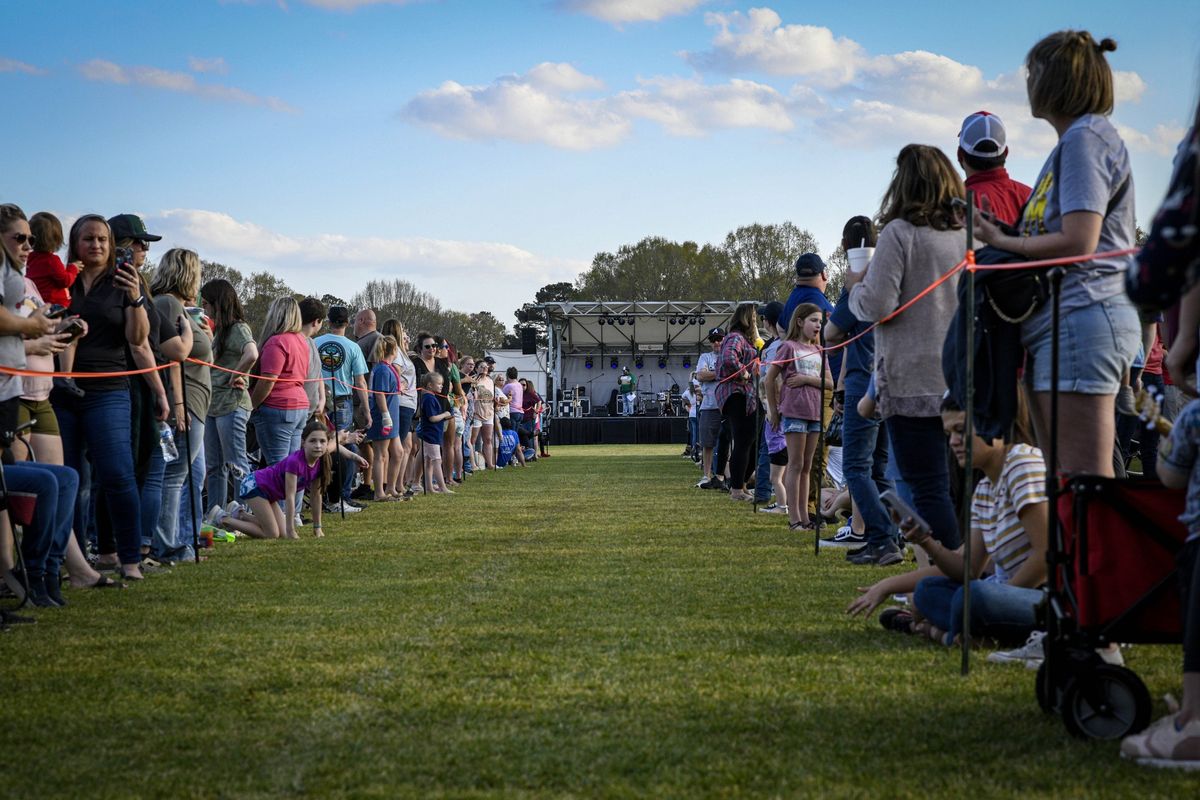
(859, 257)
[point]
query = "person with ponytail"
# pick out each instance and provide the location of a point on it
(1082, 203)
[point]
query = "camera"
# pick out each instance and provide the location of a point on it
(124, 257)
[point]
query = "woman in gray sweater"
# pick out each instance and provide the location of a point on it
(922, 238)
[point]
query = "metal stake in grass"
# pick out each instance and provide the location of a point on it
(968, 438)
(187, 444)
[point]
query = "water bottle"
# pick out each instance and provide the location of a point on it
(166, 438)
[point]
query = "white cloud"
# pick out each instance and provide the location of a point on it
(535, 107)
(216, 65)
(1162, 141)
(758, 41)
(1128, 87)
(155, 78)
(12, 65)
(619, 11)
(688, 107)
(218, 236)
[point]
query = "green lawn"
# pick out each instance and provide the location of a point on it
(589, 626)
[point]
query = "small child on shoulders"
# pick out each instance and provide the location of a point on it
(47, 271)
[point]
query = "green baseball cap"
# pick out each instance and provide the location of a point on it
(130, 226)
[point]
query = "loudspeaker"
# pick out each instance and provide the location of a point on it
(528, 341)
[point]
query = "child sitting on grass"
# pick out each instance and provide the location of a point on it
(430, 429)
(307, 468)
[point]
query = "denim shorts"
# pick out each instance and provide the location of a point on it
(1098, 343)
(710, 427)
(796, 425)
(249, 488)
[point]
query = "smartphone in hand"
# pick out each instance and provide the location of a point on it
(903, 514)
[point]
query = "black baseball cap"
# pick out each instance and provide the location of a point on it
(130, 226)
(771, 311)
(809, 265)
(716, 333)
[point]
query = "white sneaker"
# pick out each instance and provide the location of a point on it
(1111, 655)
(340, 506)
(1031, 654)
(702, 483)
(774, 508)
(232, 507)
(1164, 745)
(214, 516)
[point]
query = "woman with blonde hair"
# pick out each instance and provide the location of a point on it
(1082, 203)
(278, 397)
(175, 284)
(922, 237)
(390, 426)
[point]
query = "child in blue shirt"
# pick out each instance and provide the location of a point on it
(429, 430)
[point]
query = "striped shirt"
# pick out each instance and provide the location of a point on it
(995, 509)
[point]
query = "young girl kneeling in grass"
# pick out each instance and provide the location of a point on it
(261, 491)
(798, 404)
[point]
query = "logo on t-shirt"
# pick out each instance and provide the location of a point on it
(333, 355)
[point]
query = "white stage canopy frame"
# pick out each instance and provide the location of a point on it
(587, 337)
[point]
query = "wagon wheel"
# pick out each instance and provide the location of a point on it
(1105, 702)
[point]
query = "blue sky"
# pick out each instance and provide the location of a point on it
(483, 149)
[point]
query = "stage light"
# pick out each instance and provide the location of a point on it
(630, 319)
(587, 363)
(700, 320)
(613, 363)
(687, 362)
(637, 362)
(662, 363)
(620, 320)
(691, 320)
(671, 321)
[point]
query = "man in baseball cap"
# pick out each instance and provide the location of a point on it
(982, 152)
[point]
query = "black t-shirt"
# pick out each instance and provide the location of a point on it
(103, 348)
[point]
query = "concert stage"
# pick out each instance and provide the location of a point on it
(619, 430)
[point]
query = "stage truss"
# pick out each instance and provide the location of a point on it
(590, 340)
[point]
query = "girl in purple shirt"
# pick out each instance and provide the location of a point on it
(261, 491)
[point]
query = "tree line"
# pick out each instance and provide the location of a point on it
(417, 310)
(753, 262)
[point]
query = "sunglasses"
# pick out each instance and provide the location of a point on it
(429, 347)
(140, 245)
(22, 238)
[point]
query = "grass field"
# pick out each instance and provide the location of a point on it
(590, 626)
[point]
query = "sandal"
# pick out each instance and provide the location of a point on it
(899, 620)
(800, 526)
(105, 582)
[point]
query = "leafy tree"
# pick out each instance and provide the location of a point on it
(211, 270)
(762, 257)
(257, 293)
(836, 265)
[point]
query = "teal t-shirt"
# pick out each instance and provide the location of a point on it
(341, 362)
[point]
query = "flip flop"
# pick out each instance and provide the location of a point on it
(105, 582)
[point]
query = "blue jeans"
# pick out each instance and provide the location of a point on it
(278, 431)
(693, 433)
(225, 453)
(167, 541)
(186, 538)
(151, 493)
(919, 447)
(343, 420)
(762, 476)
(864, 464)
(56, 488)
(1003, 612)
(102, 420)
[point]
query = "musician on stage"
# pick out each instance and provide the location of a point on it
(626, 392)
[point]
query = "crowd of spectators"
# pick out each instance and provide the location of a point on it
(869, 379)
(133, 398)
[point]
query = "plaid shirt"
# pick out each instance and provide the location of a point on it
(736, 354)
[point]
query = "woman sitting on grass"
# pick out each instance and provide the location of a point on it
(1009, 521)
(307, 468)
